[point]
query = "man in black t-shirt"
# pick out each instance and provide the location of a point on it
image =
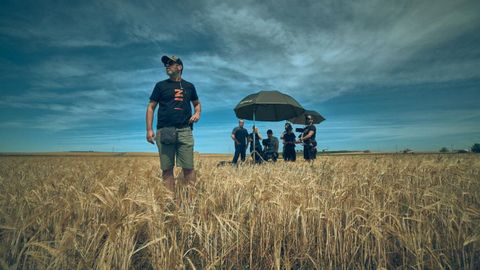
(173, 97)
(308, 139)
(239, 136)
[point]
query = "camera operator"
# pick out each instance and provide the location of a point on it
(308, 139)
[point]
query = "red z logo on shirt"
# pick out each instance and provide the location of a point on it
(178, 94)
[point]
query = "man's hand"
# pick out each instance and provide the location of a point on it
(195, 117)
(151, 136)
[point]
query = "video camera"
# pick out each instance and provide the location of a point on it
(301, 130)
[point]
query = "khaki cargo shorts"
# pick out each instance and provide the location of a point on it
(182, 150)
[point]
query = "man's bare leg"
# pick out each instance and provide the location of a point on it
(169, 180)
(189, 176)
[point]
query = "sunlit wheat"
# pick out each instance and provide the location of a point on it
(342, 212)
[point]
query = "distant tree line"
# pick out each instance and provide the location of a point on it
(474, 149)
(444, 150)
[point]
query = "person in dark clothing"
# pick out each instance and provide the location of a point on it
(174, 97)
(257, 153)
(288, 138)
(308, 139)
(239, 136)
(271, 147)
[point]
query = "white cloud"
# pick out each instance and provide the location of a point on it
(403, 127)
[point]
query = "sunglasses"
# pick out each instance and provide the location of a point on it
(170, 63)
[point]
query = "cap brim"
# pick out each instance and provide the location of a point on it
(166, 59)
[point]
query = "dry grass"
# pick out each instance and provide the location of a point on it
(344, 212)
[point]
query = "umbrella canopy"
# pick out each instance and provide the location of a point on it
(300, 120)
(268, 106)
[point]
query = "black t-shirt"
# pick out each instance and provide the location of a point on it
(240, 134)
(174, 100)
(307, 130)
(290, 139)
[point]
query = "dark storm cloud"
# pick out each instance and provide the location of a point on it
(341, 46)
(334, 45)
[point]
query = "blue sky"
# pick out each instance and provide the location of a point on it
(386, 75)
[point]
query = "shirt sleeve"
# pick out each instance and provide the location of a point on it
(155, 96)
(194, 93)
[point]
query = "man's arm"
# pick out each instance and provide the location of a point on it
(309, 135)
(198, 109)
(149, 119)
(234, 138)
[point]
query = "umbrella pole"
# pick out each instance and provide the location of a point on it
(253, 143)
(254, 130)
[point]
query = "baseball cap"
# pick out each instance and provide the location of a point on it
(166, 59)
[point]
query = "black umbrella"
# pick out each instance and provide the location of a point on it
(268, 106)
(317, 118)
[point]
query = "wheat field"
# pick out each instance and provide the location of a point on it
(341, 212)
